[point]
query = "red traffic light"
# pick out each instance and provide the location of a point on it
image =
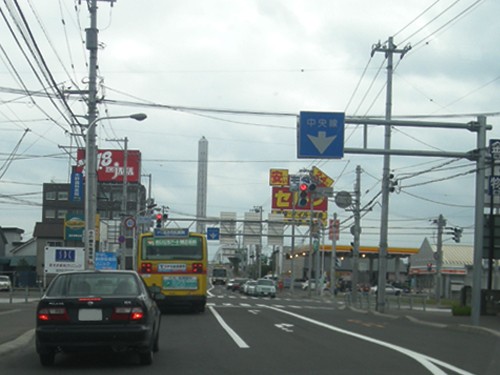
(159, 216)
(303, 187)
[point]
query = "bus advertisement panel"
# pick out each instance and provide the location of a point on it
(174, 266)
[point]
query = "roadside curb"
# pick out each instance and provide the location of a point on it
(469, 328)
(22, 340)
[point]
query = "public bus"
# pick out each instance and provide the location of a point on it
(219, 275)
(173, 263)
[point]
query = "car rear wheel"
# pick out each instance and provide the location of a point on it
(47, 358)
(146, 358)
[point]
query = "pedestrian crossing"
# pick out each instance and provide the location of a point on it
(278, 302)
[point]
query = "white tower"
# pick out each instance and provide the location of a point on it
(201, 197)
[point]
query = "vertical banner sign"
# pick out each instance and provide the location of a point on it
(74, 225)
(76, 187)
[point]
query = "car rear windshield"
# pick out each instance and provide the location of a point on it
(265, 282)
(90, 284)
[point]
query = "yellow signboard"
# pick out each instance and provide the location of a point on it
(322, 177)
(278, 177)
(303, 217)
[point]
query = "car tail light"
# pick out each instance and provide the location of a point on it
(53, 313)
(146, 268)
(90, 299)
(127, 313)
(197, 267)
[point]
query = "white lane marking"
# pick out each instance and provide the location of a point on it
(245, 305)
(237, 339)
(255, 312)
(9, 311)
(428, 362)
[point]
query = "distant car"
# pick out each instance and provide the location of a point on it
(237, 284)
(305, 285)
(5, 283)
(389, 290)
(96, 310)
(249, 287)
(265, 287)
(230, 283)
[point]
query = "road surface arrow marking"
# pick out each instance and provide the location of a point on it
(285, 327)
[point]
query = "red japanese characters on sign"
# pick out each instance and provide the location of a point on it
(278, 177)
(284, 199)
(110, 165)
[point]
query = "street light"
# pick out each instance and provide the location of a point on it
(91, 185)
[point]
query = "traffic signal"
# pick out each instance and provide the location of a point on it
(457, 233)
(306, 187)
(302, 202)
(159, 220)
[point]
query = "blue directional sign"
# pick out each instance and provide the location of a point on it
(105, 261)
(320, 135)
(213, 233)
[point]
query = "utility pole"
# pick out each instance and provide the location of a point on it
(91, 149)
(91, 42)
(389, 50)
(356, 231)
(441, 222)
(333, 262)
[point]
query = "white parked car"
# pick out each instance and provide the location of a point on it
(249, 287)
(389, 290)
(305, 285)
(265, 287)
(5, 283)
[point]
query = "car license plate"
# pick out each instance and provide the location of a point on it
(88, 315)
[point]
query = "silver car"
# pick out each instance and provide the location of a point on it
(5, 283)
(265, 287)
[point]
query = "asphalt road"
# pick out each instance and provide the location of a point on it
(245, 335)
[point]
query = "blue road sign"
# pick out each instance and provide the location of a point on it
(320, 135)
(213, 233)
(105, 261)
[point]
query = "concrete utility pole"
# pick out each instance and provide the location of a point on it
(389, 49)
(356, 231)
(333, 262)
(441, 222)
(91, 149)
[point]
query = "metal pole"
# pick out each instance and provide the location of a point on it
(123, 245)
(292, 250)
(478, 222)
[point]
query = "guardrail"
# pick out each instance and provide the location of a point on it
(24, 294)
(368, 301)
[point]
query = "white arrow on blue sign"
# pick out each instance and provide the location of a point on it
(213, 233)
(320, 135)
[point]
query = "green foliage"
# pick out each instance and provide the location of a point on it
(458, 310)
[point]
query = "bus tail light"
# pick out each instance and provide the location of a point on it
(146, 268)
(197, 267)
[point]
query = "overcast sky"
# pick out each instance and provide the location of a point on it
(271, 57)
